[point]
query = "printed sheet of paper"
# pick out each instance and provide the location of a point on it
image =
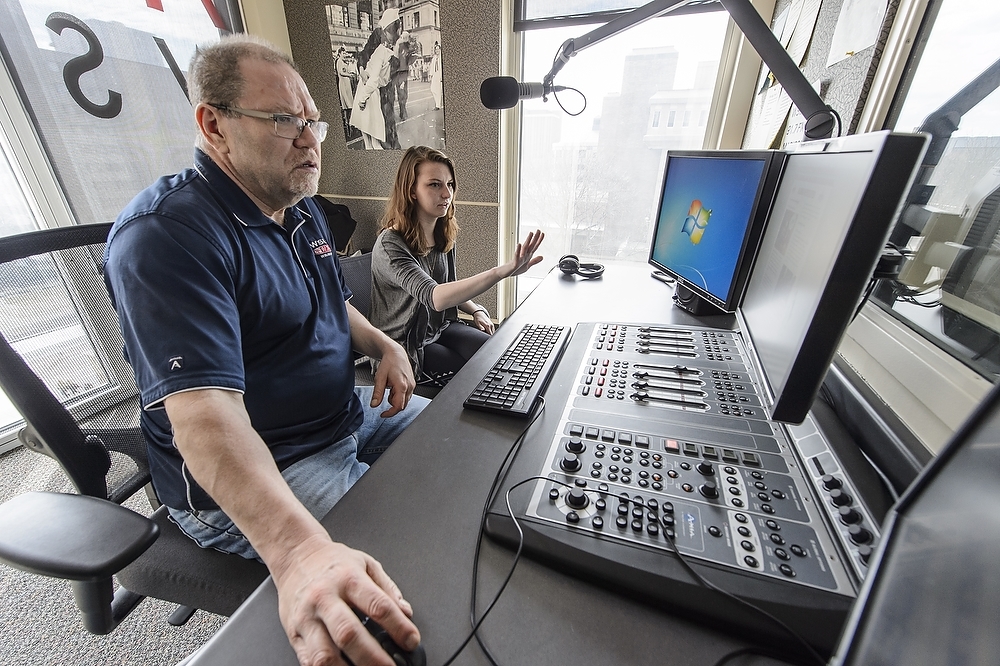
(857, 28)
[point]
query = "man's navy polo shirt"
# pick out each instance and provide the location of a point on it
(211, 293)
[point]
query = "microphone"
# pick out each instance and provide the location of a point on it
(504, 92)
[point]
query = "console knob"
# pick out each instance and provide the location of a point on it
(865, 553)
(831, 482)
(849, 515)
(859, 535)
(709, 490)
(577, 499)
(705, 468)
(575, 445)
(840, 498)
(570, 463)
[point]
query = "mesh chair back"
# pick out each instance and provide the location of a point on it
(358, 275)
(62, 360)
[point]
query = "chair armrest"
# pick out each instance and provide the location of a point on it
(76, 537)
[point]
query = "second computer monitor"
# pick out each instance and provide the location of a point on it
(828, 224)
(713, 205)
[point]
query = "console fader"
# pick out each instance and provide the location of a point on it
(664, 443)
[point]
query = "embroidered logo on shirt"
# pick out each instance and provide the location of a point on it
(175, 363)
(321, 248)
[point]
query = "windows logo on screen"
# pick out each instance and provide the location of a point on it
(696, 221)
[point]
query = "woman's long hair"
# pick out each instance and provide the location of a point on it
(401, 210)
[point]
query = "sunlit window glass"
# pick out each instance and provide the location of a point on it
(590, 182)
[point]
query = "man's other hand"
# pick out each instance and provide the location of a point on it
(319, 587)
(395, 374)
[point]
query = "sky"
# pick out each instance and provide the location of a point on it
(182, 23)
(597, 71)
(963, 43)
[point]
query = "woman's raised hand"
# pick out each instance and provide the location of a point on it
(524, 256)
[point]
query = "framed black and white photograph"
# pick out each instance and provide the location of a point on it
(387, 60)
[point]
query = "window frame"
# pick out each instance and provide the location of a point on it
(930, 390)
(732, 98)
(51, 208)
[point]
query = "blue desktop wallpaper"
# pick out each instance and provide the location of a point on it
(703, 217)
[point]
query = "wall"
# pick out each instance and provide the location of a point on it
(847, 83)
(470, 45)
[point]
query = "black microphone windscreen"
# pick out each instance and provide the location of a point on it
(499, 92)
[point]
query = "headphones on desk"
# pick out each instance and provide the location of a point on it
(570, 265)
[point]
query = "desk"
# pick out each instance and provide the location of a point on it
(418, 509)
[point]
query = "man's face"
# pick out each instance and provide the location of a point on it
(276, 171)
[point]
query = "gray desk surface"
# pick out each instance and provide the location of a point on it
(418, 510)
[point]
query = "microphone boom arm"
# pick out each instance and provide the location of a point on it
(819, 116)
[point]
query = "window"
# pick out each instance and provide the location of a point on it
(949, 286)
(102, 87)
(590, 182)
(416, 19)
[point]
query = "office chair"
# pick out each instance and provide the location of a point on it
(62, 365)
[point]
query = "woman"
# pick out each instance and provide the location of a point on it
(415, 291)
(367, 114)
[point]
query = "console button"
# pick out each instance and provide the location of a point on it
(577, 498)
(570, 463)
(840, 498)
(831, 482)
(859, 535)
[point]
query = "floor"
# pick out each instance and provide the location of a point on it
(39, 622)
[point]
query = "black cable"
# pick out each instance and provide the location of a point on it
(712, 586)
(555, 96)
(482, 523)
(726, 658)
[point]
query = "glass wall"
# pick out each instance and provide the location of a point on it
(100, 86)
(590, 181)
(949, 286)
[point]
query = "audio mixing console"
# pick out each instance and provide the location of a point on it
(663, 443)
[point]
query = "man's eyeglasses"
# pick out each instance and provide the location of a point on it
(286, 126)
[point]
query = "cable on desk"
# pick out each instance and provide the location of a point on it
(501, 472)
(708, 584)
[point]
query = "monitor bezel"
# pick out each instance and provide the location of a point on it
(879, 206)
(763, 198)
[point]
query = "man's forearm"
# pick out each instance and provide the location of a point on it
(227, 458)
(367, 339)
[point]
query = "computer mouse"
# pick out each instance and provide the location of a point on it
(400, 656)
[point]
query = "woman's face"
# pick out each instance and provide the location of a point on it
(433, 191)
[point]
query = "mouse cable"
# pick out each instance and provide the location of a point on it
(490, 495)
(687, 566)
(757, 609)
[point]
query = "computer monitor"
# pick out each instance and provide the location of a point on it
(828, 225)
(712, 209)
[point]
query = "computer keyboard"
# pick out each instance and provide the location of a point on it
(519, 376)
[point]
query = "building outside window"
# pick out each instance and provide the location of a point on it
(591, 181)
(949, 286)
(102, 87)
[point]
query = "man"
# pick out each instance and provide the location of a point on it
(236, 324)
(401, 77)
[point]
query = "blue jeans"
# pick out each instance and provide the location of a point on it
(318, 481)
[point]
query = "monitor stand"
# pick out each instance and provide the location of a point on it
(687, 300)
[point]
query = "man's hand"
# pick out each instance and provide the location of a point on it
(319, 585)
(394, 373)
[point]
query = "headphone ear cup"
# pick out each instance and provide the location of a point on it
(569, 264)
